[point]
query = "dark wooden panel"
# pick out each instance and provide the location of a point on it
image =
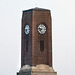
(26, 45)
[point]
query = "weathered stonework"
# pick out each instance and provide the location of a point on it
(37, 70)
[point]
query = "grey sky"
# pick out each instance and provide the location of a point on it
(63, 34)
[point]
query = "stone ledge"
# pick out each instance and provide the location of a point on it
(38, 68)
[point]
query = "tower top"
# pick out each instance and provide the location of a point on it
(36, 39)
(36, 8)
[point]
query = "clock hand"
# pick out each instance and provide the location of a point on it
(40, 29)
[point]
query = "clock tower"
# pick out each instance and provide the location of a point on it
(36, 37)
(36, 43)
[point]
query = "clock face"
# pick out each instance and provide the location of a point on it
(41, 28)
(27, 29)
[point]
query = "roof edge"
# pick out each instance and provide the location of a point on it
(36, 8)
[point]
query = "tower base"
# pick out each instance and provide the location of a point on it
(37, 70)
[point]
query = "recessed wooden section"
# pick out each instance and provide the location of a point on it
(41, 45)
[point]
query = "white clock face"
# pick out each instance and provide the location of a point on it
(41, 29)
(27, 29)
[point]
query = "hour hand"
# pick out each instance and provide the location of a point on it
(40, 29)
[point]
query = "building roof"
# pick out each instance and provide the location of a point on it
(36, 8)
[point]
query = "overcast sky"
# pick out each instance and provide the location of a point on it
(63, 34)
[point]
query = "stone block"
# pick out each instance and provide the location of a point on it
(37, 70)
